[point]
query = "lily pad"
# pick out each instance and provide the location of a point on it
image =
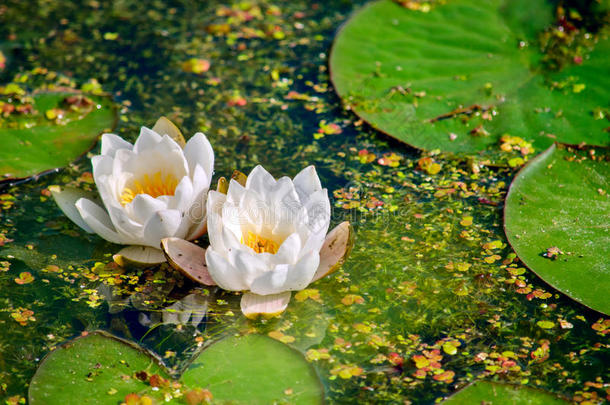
(490, 393)
(557, 220)
(100, 368)
(255, 369)
(54, 130)
(459, 77)
(94, 369)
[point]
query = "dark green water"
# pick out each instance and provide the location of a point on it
(419, 277)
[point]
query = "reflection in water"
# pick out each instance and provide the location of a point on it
(191, 308)
(151, 306)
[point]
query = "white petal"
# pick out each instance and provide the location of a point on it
(123, 224)
(111, 143)
(166, 144)
(235, 193)
(318, 212)
(183, 195)
(162, 224)
(102, 165)
(167, 161)
(99, 221)
(232, 221)
(289, 250)
(221, 271)
(260, 180)
(198, 151)
(287, 277)
(248, 265)
(146, 140)
(107, 189)
(284, 199)
(197, 217)
(271, 282)
(307, 182)
(253, 305)
(65, 199)
(214, 219)
(230, 240)
(201, 180)
(144, 206)
(313, 243)
(197, 210)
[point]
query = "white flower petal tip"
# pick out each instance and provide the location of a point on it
(139, 256)
(66, 199)
(266, 306)
(187, 258)
(336, 248)
(163, 126)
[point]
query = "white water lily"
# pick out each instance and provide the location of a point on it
(266, 238)
(150, 190)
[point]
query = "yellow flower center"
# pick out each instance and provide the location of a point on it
(155, 186)
(260, 244)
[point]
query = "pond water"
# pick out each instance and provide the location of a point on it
(431, 275)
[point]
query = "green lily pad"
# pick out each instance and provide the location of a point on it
(462, 75)
(557, 220)
(54, 130)
(490, 393)
(102, 369)
(94, 369)
(255, 369)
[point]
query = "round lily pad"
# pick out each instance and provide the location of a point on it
(459, 77)
(254, 369)
(94, 369)
(490, 393)
(52, 130)
(557, 219)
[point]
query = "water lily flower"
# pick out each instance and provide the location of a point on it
(150, 190)
(267, 237)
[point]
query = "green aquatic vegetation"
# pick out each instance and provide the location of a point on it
(431, 281)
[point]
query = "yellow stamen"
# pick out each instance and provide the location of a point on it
(260, 244)
(156, 186)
